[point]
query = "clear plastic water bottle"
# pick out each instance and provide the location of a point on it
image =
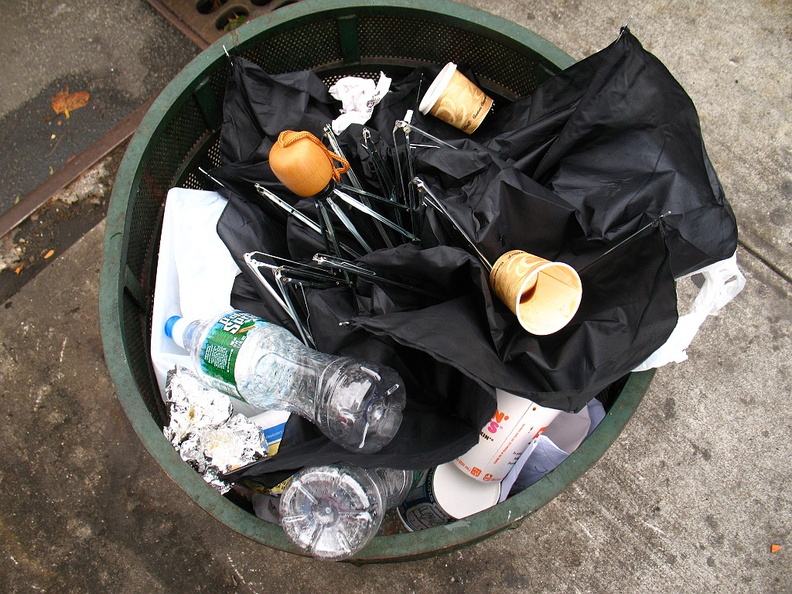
(357, 404)
(332, 512)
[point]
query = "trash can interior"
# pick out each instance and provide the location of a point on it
(180, 133)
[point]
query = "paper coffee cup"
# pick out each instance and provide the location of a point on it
(516, 423)
(544, 295)
(443, 495)
(454, 99)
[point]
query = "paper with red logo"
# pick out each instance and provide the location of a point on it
(517, 422)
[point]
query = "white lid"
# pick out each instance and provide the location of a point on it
(461, 495)
(437, 87)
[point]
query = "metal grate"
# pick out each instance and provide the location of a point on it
(205, 21)
(209, 159)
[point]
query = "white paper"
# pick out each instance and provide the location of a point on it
(559, 440)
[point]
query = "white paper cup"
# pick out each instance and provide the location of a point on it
(516, 423)
(454, 99)
(443, 495)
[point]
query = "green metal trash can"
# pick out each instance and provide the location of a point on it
(180, 133)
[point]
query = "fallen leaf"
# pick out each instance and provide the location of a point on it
(49, 254)
(64, 102)
(234, 21)
(774, 548)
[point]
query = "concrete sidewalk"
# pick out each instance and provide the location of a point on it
(689, 499)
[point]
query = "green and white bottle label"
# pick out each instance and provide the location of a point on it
(220, 348)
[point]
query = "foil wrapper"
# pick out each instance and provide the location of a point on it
(193, 405)
(204, 430)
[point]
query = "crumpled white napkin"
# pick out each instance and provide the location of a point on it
(358, 97)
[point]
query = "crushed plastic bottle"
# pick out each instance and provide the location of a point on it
(357, 404)
(332, 512)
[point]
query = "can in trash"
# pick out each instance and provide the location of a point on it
(443, 495)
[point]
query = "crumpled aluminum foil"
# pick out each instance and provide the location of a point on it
(204, 430)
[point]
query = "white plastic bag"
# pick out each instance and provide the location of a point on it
(723, 281)
(195, 271)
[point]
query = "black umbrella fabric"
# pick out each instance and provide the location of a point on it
(603, 168)
(618, 138)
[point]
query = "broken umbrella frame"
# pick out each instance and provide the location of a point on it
(286, 276)
(334, 269)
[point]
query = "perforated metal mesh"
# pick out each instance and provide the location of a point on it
(210, 158)
(303, 47)
(183, 140)
(417, 40)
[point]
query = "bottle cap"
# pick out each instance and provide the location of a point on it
(169, 324)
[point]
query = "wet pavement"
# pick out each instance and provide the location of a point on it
(53, 47)
(690, 498)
